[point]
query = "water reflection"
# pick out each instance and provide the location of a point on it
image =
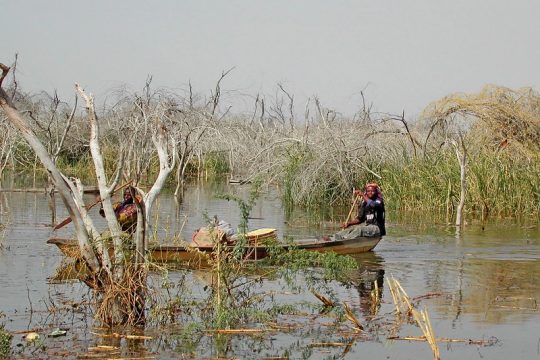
(494, 291)
(487, 278)
(369, 282)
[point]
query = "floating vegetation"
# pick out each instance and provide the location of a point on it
(404, 306)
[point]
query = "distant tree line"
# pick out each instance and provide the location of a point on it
(472, 153)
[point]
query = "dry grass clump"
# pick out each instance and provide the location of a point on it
(404, 306)
(349, 314)
(124, 297)
(507, 118)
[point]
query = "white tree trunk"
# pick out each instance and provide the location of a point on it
(94, 234)
(105, 192)
(166, 165)
(462, 158)
(20, 124)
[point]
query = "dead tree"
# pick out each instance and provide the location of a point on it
(461, 153)
(120, 284)
(16, 119)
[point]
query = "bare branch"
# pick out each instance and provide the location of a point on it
(291, 106)
(216, 96)
(60, 144)
(104, 191)
(14, 72)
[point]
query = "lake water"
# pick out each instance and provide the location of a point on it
(482, 285)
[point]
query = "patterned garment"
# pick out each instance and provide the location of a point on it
(126, 213)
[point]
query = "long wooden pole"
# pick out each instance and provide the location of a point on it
(352, 208)
(68, 219)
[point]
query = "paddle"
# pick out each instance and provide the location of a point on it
(68, 219)
(358, 195)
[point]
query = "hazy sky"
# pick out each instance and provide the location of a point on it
(403, 54)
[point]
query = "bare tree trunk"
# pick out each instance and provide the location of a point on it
(448, 202)
(52, 201)
(140, 235)
(462, 158)
(166, 165)
(179, 190)
(104, 191)
(20, 124)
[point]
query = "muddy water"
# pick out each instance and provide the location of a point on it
(482, 285)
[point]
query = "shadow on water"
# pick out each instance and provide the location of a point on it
(478, 285)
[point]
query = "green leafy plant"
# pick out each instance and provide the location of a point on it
(235, 291)
(5, 341)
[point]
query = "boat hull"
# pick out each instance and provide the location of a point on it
(175, 253)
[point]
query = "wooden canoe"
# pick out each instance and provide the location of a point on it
(181, 253)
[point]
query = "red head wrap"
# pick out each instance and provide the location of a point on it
(375, 186)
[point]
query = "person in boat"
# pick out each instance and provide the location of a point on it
(370, 212)
(125, 211)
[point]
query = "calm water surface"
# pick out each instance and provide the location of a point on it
(482, 285)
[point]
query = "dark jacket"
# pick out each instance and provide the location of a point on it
(372, 212)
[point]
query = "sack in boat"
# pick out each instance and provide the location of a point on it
(205, 237)
(208, 236)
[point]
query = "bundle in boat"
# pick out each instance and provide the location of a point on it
(204, 237)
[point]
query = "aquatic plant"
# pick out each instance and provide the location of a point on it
(404, 306)
(5, 341)
(234, 292)
(215, 163)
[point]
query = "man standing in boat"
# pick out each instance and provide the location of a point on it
(370, 211)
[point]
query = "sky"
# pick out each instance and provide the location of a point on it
(402, 54)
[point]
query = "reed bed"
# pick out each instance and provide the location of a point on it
(318, 159)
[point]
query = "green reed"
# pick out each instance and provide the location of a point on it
(497, 185)
(235, 295)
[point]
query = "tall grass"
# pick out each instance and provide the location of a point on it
(316, 162)
(215, 163)
(496, 186)
(504, 187)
